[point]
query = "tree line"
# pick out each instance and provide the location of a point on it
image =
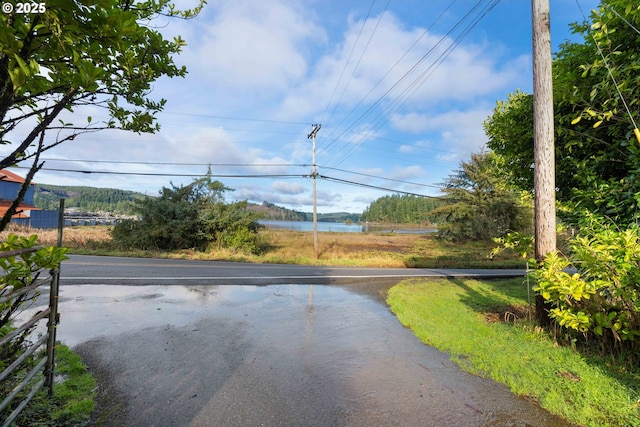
(90, 199)
(403, 209)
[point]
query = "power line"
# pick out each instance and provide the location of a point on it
(361, 55)
(359, 184)
(346, 63)
(173, 163)
(243, 119)
(90, 172)
(388, 72)
(475, 16)
(84, 171)
(379, 177)
(281, 176)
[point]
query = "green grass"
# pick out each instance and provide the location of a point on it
(73, 395)
(452, 315)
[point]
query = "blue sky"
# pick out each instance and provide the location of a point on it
(400, 102)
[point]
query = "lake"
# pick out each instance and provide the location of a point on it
(341, 227)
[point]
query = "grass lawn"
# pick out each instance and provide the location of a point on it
(72, 402)
(483, 326)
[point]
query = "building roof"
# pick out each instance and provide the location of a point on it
(22, 208)
(6, 175)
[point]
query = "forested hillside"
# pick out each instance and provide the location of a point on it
(274, 212)
(90, 199)
(401, 209)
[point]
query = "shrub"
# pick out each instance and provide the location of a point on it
(193, 216)
(599, 301)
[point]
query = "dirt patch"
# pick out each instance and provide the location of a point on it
(385, 246)
(507, 314)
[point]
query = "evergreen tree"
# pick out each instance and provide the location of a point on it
(480, 206)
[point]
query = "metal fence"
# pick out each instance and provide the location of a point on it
(23, 373)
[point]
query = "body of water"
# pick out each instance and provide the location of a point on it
(341, 227)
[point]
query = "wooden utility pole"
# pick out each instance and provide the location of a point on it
(314, 175)
(544, 151)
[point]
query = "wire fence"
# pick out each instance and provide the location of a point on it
(31, 360)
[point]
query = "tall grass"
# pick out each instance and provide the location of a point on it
(296, 247)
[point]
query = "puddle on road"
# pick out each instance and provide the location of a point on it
(343, 360)
(90, 311)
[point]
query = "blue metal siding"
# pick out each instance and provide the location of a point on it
(10, 190)
(44, 219)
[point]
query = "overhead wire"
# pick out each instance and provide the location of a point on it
(214, 175)
(359, 184)
(364, 50)
(636, 131)
(84, 171)
(619, 16)
(378, 177)
(346, 64)
(173, 163)
(244, 119)
(284, 176)
(413, 87)
(382, 79)
(402, 98)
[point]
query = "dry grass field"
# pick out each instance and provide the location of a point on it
(296, 247)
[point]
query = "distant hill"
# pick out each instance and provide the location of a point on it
(93, 199)
(89, 199)
(274, 212)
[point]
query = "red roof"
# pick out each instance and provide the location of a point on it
(22, 207)
(6, 175)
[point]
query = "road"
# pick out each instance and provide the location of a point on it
(93, 270)
(215, 354)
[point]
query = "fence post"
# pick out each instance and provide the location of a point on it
(53, 314)
(51, 329)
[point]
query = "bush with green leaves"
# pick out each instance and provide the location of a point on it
(194, 216)
(19, 271)
(594, 292)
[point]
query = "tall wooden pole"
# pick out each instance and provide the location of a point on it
(314, 175)
(544, 151)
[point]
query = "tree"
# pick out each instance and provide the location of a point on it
(192, 216)
(401, 209)
(103, 53)
(481, 205)
(597, 156)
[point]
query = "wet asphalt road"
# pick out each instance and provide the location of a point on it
(82, 269)
(273, 356)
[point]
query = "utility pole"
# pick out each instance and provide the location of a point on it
(544, 151)
(314, 175)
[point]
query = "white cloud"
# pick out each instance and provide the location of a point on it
(288, 187)
(459, 132)
(407, 173)
(250, 46)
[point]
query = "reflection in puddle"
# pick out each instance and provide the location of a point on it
(98, 310)
(89, 311)
(209, 355)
